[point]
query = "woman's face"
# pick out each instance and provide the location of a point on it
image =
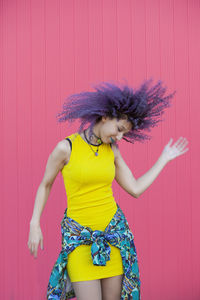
(113, 130)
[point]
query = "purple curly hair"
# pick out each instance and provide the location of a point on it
(142, 107)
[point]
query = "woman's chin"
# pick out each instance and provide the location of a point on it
(106, 140)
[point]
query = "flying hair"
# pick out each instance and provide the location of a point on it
(143, 107)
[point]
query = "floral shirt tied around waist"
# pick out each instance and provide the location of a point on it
(117, 233)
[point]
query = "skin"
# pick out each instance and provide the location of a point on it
(106, 129)
(109, 128)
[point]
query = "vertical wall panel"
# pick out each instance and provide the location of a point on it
(24, 138)
(169, 213)
(193, 127)
(110, 50)
(51, 49)
(154, 212)
(95, 46)
(11, 154)
(183, 228)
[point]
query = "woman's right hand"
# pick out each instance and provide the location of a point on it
(35, 238)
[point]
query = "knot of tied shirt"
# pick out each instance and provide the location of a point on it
(100, 249)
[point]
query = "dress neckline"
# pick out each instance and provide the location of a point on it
(87, 143)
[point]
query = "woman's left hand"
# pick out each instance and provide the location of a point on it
(171, 152)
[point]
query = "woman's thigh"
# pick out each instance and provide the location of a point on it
(111, 287)
(88, 290)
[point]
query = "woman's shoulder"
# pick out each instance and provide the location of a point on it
(115, 149)
(65, 145)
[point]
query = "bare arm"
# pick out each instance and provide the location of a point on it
(136, 187)
(40, 201)
(123, 174)
(124, 177)
(56, 161)
(168, 154)
(147, 179)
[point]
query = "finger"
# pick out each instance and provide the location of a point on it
(185, 151)
(183, 144)
(185, 141)
(35, 252)
(178, 141)
(32, 249)
(181, 140)
(170, 141)
(182, 152)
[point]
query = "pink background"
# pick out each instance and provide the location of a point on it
(50, 49)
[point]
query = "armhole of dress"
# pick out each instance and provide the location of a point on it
(70, 142)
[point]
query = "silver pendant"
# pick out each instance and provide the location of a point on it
(96, 153)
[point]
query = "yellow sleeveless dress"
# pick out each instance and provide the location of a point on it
(88, 184)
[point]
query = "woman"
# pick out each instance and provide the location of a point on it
(90, 160)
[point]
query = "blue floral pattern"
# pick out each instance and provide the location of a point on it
(117, 233)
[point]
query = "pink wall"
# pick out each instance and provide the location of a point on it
(50, 49)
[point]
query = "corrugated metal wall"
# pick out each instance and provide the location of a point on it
(50, 49)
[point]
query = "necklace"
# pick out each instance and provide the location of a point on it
(99, 141)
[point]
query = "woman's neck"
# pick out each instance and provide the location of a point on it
(94, 138)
